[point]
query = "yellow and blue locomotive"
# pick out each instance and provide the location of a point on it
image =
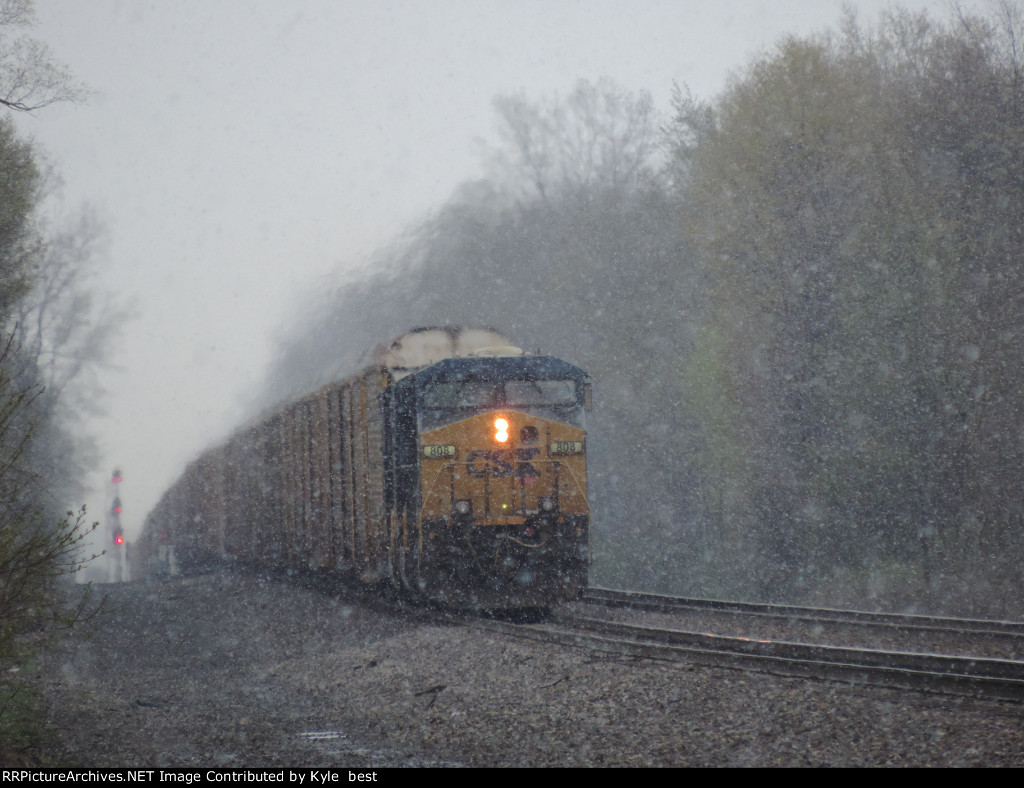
(453, 466)
(487, 479)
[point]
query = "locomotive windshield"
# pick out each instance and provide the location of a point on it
(445, 402)
(464, 394)
(540, 392)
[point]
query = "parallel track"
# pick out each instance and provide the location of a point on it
(998, 679)
(901, 621)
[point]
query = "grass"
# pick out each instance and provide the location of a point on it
(23, 732)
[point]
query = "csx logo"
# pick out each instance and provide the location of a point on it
(502, 462)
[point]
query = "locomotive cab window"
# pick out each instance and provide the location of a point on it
(447, 401)
(557, 399)
(540, 392)
(460, 394)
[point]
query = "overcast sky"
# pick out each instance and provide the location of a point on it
(243, 152)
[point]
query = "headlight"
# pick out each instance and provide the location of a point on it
(501, 430)
(546, 504)
(463, 508)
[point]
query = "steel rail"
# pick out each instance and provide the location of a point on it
(906, 621)
(984, 678)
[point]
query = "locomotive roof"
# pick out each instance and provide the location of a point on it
(494, 368)
(422, 347)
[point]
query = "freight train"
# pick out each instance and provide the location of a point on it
(452, 467)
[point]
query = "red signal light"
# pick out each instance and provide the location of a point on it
(118, 538)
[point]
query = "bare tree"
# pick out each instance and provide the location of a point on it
(59, 325)
(599, 138)
(30, 77)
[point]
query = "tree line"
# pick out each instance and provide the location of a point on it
(857, 200)
(49, 330)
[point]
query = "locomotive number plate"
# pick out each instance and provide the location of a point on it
(436, 452)
(566, 447)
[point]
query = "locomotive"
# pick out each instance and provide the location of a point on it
(452, 467)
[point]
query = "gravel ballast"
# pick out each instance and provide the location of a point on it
(229, 669)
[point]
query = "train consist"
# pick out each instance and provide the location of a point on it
(453, 467)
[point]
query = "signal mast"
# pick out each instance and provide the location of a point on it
(119, 547)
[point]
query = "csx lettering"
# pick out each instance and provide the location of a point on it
(501, 463)
(495, 463)
(525, 469)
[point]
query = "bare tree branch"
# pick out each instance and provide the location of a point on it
(30, 77)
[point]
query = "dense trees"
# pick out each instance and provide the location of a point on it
(44, 346)
(858, 201)
(17, 190)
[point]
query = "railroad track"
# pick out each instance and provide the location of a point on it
(899, 621)
(1001, 679)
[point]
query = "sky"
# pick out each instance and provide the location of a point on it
(243, 154)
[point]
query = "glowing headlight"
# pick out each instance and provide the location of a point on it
(501, 430)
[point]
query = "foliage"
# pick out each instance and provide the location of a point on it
(35, 555)
(43, 318)
(858, 201)
(22, 731)
(18, 244)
